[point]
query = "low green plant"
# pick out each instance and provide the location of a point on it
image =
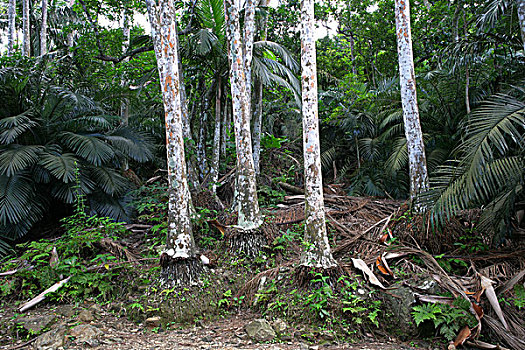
(447, 320)
(519, 296)
(356, 306)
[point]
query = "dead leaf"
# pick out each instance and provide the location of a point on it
(361, 265)
(486, 285)
(463, 335)
(218, 226)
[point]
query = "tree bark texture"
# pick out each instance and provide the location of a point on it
(257, 124)
(249, 33)
(216, 138)
(11, 35)
(246, 191)
(521, 17)
(225, 128)
(318, 253)
(180, 244)
(43, 29)
(416, 149)
(124, 107)
(26, 41)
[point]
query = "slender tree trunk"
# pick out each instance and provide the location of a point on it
(216, 138)
(246, 191)
(249, 33)
(257, 125)
(71, 35)
(11, 35)
(124, 107)
(26, 44)
(416, 149)
(318, 253)
(521, 17)
(178, 261)
(202, 160)
(225, 128)
(43, 29)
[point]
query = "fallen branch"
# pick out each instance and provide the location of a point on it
(291, 188)
(42, 295)
(8, 273)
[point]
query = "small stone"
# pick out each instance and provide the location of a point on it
(260, 330)
(153, 322)
(36, 324)
(65, 310)
(313, 347)
(207, 339)
(95, 309)
(51, 340)
(279, 326)
(85, 316)
(85, 333)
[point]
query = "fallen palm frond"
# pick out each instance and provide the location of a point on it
(117, 249)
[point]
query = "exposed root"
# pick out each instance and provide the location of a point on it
(252, 286)
(179, 271)
(308, 277)
(250, 242)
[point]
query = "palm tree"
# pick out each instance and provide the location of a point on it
(318, 253)
(489, 165)
(414, 136)
(179, 263)
(46, 132)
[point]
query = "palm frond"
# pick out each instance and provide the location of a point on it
(15, 126)
(14, 158)
(61, 166)
(89, 147)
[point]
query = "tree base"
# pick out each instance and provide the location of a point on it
(179, 271)
(308, 277)
(249, 242)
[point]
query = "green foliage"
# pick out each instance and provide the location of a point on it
(52, 127)
(519, 296)
(447, 320)
(74, 253)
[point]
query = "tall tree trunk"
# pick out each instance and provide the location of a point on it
(71, 35)
(216, 138)
(124, 106)
(178, 261)
(416, 149)
(318, 253)
(257, 125)
(249, 33)
(26, 44)
(43, 29)
(225, 127)
(246, 191)
(202, 159)
(521, 17)
(11, 35)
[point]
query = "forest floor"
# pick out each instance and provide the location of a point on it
(107, 331)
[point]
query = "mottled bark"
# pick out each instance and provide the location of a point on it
(246, 191)
(225, 128)
(202, 159)
(26, 41)
(317, 253)
(180, 253)
(249, 33)
(521, 17)
(216, 138)
(416, 149)
(43, 29)
(257, 125)
(71, 35)
(11, 31)
(124, 106)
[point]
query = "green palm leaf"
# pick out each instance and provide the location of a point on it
(15, 126)
(61, 166)
(14, 158)
(89, 147)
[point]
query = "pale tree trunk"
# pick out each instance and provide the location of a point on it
(246, 191)
(416, 150)
(257, 125)
(178, 261)
(249, 33)
(225, 128)
(202, 159)
(216, 138)
(124, 106)
(521, 17)
(26, 44)
(43, 29)
(71, 36)
(318, 253)
(11, 35)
